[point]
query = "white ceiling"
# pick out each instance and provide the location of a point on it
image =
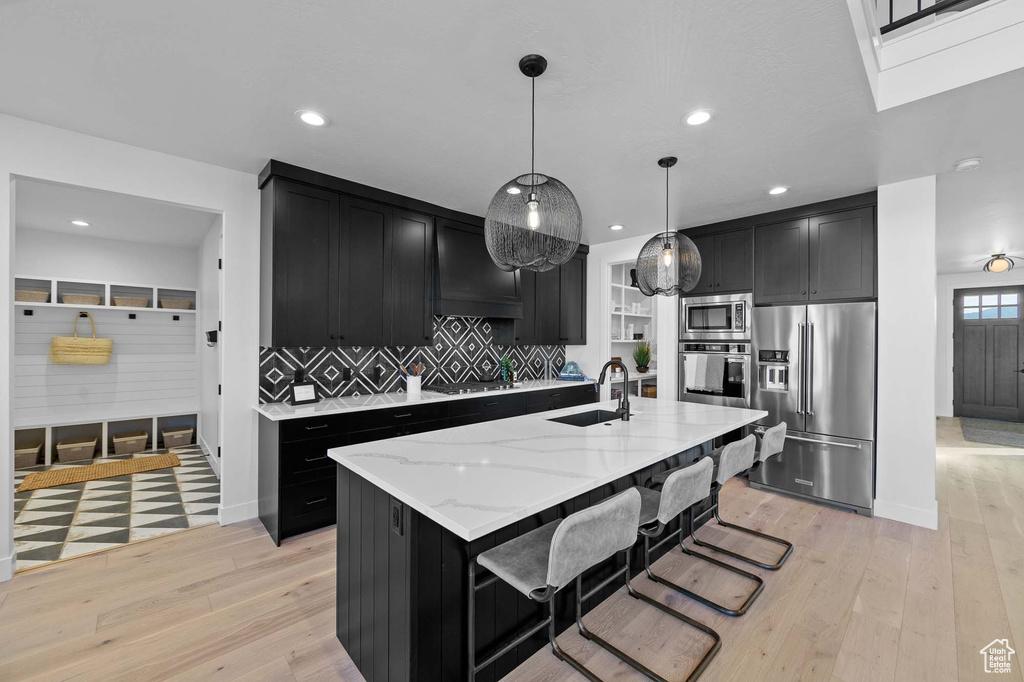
(51, 207)
(425, 98)
(980, 213)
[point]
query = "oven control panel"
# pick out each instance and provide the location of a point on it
(737, 348)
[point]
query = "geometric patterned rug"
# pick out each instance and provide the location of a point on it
(81, 518)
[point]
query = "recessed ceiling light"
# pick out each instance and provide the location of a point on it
(616, 227)
(79, 223)
(776, 191)
(310, 117)
(973, 163)
(698, 116)
(514, 190)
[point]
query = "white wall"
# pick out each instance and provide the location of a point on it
(209, 358)
(946, 285)
(905, 457)
(598, 349)
(79, 256)
(39, 151)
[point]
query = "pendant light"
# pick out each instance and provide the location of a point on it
(533, 222)
(669, 263)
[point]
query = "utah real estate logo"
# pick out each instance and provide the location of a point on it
(998, 655)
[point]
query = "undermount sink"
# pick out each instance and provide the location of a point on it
(591, 418)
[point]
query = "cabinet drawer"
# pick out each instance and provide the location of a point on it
(307, 459)
(368, 435)
(307, 429)
(492, 403)
(489, 416)
(562, 396)
(372, 419)
(308, 506)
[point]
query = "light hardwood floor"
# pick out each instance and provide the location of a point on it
(860, 599)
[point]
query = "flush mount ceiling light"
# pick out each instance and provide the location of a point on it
(616, 227)
(698, 116)
(533, 222)
(999, 262)
(669, 263)
(79, 223)
(776, 191)
(971, 164)
(310, 117)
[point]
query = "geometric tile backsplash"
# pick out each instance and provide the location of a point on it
(462, 351)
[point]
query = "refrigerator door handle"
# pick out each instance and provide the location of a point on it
(809, 402)
(852, 446)
(800, 379)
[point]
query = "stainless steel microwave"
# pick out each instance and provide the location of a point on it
(715, 317)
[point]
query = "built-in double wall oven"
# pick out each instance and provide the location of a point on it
(715, 350)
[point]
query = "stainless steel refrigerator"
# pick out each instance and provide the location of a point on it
(816, 372)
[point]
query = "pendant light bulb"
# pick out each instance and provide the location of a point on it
(533, 214)
(666, 256)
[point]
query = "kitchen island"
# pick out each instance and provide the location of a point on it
(412, 512)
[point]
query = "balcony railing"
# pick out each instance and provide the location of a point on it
(898, 16)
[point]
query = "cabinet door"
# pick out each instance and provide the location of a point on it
(412, 262)
(365, 274)
(527, 328)
(573, 302)
(548, 323)
(780, 262)
(734, 261)
(706, 284)
(842, 255)
(305, 245)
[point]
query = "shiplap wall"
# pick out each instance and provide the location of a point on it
(153, 369)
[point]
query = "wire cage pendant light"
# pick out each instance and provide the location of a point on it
(533, 222)
(669, 264)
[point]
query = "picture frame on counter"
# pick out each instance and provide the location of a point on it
(303, 393)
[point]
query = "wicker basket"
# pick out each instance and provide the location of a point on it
(131, 302)
(131, 442)
(177, 436)
(81, 299)
(76, 449)
(176, 303)
(27, 456)
(72, 350)
(650, 391)
(31, 296)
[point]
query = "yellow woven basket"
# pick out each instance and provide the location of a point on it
(72, 350)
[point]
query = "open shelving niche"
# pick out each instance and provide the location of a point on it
(104, 428)
(622, 300)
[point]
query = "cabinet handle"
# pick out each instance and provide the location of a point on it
(803, 293)
(403, 415)
(554, 395)
(718, 284)
(316, 501)
(491, 404)
(333, 337)
(815, 291)
(709, 286)
(314, 428)
(315, 459)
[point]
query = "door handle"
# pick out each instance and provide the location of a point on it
(810, 369)
(801, 338)
(852, 446)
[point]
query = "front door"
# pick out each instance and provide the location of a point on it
(988, 353)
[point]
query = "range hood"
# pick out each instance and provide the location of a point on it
(467, 283)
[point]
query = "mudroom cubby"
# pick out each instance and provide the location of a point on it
(176, 299)
(81, 293)
(43, 291)
(126, 296)
(75, 432)
(129, 426)
(26, 440)
(175, 423)
(29, 290)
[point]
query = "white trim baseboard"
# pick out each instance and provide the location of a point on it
(6, 568)
(238, 512)
(211, 456)
(915, 516)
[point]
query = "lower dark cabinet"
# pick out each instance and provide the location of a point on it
(297, 478)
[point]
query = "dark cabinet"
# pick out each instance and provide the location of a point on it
(733, 264)
(842, 255)
(412, 271)
(304, 292)
(365, 274)
(781, 262)
(549, 316)
(572, 301)
(706, 284)
(527, 332)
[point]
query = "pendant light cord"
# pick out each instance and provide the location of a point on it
(533, 128)
(666, 204)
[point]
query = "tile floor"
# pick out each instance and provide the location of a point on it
(58, 523)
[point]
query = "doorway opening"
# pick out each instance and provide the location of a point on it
(142, 277)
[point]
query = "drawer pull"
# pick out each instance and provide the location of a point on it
(491, 404)
(554, 395)
(316, 501)
(403, 415)
(316, 459)
(314, 428)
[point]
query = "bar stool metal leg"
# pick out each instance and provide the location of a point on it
(749, 531)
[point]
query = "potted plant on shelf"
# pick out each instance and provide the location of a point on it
(642, 355)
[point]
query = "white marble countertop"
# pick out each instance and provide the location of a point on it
(475, 479)
(375, 401)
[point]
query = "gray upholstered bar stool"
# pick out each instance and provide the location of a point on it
(543, 561)
(684, 487)
(734, 459)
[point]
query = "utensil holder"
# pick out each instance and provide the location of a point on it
(412, 386)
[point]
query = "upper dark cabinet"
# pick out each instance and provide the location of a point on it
(303, 287)
(572, 301)
(734, 261)
(706, 284)
(781, 262)
(842, 255)
(412, 271)
(527, 329)
(365, 274)
(467, 282)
